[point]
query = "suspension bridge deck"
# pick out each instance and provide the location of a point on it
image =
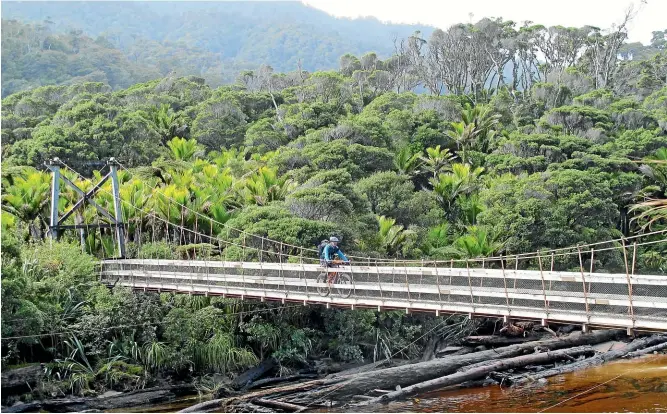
(597, 299)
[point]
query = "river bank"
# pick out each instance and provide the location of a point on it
(620, 386)
(512, 363)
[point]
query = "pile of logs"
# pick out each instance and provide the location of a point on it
(474, 360)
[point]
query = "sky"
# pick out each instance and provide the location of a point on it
(443, 13)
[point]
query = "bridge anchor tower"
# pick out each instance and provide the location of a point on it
(56, 226)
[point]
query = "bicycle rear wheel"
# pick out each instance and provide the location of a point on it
(344, 279)
(322, 290)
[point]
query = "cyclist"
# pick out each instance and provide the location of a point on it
(331, 249)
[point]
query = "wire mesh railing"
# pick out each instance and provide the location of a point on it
(609, 299)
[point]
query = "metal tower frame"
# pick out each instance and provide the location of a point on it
(116, 219)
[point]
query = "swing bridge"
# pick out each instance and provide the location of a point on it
(526, 286)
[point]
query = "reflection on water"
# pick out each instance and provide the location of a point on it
(638, 385)
(642, 387)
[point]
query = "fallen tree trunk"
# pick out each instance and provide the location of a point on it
(385, 363)
(481, 372)
(648, 350)
(279, 404)
(287, 389)
(407, 375)
(204, 407)
(590, 362)
(135, 398)
(271, 381)
(253, 374)
(493, 340)
(311, 392)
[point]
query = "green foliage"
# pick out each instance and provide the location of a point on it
(578, 119)
(394, 239)
(220, 123)
(182, 149)
(540, 159)
(559, 209)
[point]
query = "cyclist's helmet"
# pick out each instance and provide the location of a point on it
(333, 239)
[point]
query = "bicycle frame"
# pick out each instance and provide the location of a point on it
(333, 274)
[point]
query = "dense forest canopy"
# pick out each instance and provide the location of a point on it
(122, 43)
(567, 146)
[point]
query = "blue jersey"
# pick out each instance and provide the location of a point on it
(330, 250)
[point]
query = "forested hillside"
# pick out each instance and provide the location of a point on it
(213, 40)
(571, 149)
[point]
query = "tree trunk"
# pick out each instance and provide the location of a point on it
(492, 340)
(597, 360)
(272, 381)
(230, 401)
(413, 373)
(481, 372)
(279, 404)
(648, 350)
(346, 386)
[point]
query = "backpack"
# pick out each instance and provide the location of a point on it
(320, 250)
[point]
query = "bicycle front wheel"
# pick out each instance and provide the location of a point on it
(344, 279)
(322, 290)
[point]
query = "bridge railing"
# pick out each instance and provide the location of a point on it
(616, 299)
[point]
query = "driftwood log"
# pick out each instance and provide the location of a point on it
(493, 340)
(649, 350)
(596, 360)
(311, 392)
(279, 404)
(482, 371)
(407, 375)
(272, 381)
(241, 399)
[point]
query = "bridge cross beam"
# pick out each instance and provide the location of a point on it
(56, 225)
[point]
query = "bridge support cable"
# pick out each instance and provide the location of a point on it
(516, 272)
(481, 279)
(507, 298)
(118, 212)
(544, 291)
(634, 257)
(472, 298)
(451, 273)
(243, 258)
(631, 308)
(377, 270)
(407, 282)
(421, 281)
(302, 274)
(261, 269)
(210, 253)
(590, 272)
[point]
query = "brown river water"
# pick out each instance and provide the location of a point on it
(638, 385)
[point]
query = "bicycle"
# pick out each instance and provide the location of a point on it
(335, 278)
